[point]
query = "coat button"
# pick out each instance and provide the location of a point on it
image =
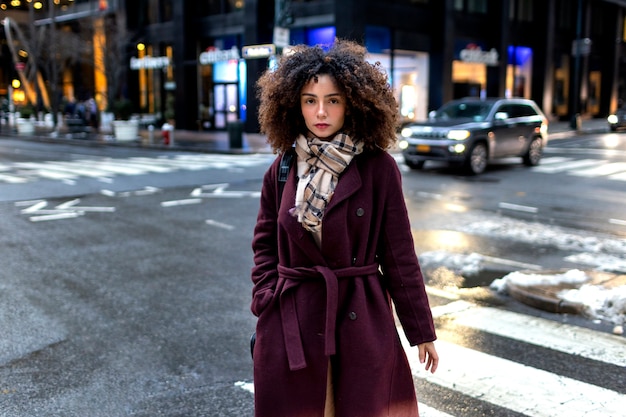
(352, 315)
(360, 212)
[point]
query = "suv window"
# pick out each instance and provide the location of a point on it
(518, 110)
(475, 111)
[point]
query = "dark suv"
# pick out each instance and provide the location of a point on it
(470, 132)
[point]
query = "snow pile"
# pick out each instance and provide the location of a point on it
(573, 276)
(599, 302)
(538, 234)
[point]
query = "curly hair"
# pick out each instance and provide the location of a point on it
(371, 112)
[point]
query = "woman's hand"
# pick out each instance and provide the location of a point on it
(428, 354)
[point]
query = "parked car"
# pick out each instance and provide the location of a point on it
(617, 120)
(471, 132)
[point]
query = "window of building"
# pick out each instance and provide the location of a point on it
(566, 14)
(522, 11)
(213, 7)
(471, 6)
(167, 10)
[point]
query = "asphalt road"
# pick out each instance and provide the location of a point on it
(128, 294)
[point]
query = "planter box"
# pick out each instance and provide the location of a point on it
(25, 126)
(125, 130)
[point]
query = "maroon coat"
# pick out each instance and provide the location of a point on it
(335, 301)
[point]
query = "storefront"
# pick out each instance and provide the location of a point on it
(469, 69)
(222, 86)
(155, 83)
(407, 70)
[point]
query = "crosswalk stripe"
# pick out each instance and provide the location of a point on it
(537, 331)
(151, 165)
(619, 177)
(426, 411)
(108, 167)
(514, 386)
(567, 166)
(601, 170)
(12, 179)
(67, 167)
(118, 167)
(554, 160)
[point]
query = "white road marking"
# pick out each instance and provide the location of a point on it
(67, 167)
(567, 166)
(220, 225)
(219, 191)
(565, 338)
(58, 216)
(618, 177)
(106, 167)
(554, 160)
(72, 205)
(66, 210)
(601, 170)
(184, 202)
(510, 262)
(514, 386)
(517, 207)
(12, 179)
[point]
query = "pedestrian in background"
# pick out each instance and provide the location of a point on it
(333, 250)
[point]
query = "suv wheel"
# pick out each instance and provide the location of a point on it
(414, 165)
(533, 155)
(476, 161)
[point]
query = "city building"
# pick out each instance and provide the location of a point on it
(195, 63)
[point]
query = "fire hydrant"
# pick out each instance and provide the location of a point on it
(167, 132)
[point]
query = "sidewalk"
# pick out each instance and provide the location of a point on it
(220, 142)
(561, 130)
(183, 140)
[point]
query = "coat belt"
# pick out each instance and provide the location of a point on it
(291, 328)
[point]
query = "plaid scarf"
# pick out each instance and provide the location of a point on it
(326, 161)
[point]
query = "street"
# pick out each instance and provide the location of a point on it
(125, 287)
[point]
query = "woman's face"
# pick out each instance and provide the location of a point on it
(323, 106)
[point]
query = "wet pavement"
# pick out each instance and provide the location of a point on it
(546, 298)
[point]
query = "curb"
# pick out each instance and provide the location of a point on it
(543, 298)
(208, 145)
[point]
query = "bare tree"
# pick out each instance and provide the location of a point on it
(47, 50)
(112, 61)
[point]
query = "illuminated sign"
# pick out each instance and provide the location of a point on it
(213, 55)
(474, 53)
(149, 62)
(258, 51)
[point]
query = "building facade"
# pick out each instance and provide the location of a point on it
(197, 62)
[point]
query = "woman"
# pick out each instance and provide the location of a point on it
(333, 249)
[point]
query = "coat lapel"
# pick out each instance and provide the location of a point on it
(296, 233)
(348, 184)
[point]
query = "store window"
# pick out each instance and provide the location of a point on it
(469, 79)
(469, 69)
(519, 71)
(407, 71)
(222, 85)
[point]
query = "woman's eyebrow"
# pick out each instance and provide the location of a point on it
(315, 95)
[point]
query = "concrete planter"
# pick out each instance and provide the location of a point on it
(25, 126)
(125, 130)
